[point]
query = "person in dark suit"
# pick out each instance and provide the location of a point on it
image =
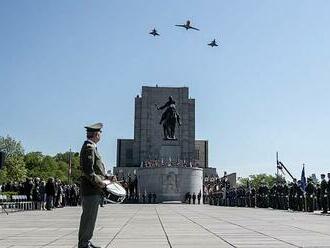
(199, 196)
(194, 198)
(324, 194)
(50, 193)
(328, 191)
(92, 185)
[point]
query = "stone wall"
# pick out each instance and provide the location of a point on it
(148, 133)
(170, 183)
(125, 153)
(201, 153)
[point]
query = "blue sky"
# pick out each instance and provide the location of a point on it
(65, 64)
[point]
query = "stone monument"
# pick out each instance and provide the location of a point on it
(164, 154)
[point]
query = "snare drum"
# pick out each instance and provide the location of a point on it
(114, 192)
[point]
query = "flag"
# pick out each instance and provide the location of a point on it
(280, 166)
(303, 179)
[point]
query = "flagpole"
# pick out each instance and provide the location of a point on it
(305, 199)
(69, 166)
(277, 179)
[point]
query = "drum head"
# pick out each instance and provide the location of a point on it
(116, 189)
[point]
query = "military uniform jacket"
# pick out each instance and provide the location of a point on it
(324, 187)
(92, 170)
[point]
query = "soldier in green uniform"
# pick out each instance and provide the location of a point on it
(92, 185)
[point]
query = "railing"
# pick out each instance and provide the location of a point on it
(15, 203)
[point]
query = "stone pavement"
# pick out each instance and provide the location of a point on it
(168, 225)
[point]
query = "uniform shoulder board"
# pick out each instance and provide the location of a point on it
(90, 145)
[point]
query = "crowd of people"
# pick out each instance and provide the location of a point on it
(151, 163)
(295, 196)
(130, 183)
(45, 195)
(191, 198)
(55, 194)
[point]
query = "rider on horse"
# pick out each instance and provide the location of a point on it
(169, 118)
(168, 105)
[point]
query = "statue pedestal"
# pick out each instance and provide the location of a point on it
(170, 149)
(170, 183)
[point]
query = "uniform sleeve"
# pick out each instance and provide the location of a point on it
(87, 168)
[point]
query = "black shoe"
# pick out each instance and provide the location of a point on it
(93, 246)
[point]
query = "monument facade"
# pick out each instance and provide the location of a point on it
(164, 154)
(149, 142)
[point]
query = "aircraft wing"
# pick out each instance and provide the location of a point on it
(180, 25)
(194, 28)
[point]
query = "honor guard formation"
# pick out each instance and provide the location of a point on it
(187, 26)
(294, 196)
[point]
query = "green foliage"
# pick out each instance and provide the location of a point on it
(14, 169)
(258, 179)
(3, 175)
(75, 162)
(33, 159)
(46, 166)
(243, 181)
(11, 147)
(35, 164)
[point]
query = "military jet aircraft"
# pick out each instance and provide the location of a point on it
(154, 32)
(187, 26)
(213, 43)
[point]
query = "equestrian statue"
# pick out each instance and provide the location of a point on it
(169, 119)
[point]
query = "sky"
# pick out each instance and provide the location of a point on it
(265, 88)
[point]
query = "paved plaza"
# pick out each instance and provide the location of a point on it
(168, 225)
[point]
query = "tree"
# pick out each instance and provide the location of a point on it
(11, 147)
(57, 166)
(33, 159)
(75, 161)
(14, 169)
(258, 179)
(35, 164)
